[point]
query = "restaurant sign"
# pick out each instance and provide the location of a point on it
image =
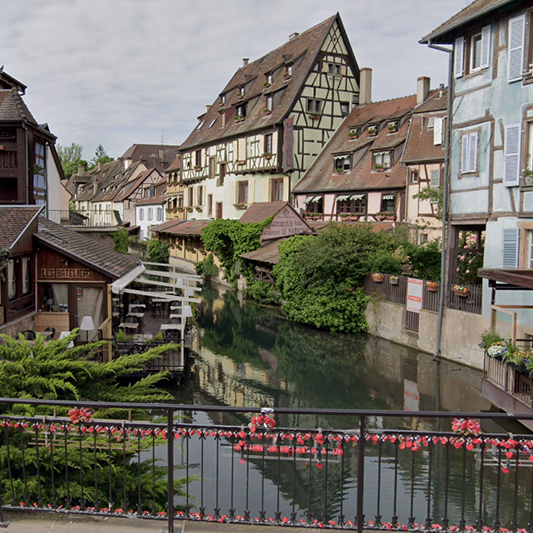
(66, 273)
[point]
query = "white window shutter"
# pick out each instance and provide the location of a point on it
(511, 175)
(472, 151)
(464, 153)
(437, 131)
(510, 248)
(434, 179)
(485, 47)
(459, 50)
(516, 47)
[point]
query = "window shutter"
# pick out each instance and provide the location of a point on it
(434, 180)
(510, 248)
(459, 49)
(516, 47)
(472, 151)
(485, 47)
(511, 176)
(464, 153)
(437, 131)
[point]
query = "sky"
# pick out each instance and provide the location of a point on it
(119, 72)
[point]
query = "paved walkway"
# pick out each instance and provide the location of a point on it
(63, 523)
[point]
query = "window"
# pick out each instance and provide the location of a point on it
(26, 275)
(511, 175)
(289, 70)
(475, 52)
(314, 106)
(149, 192)
(355, 203)
(242, 192)
(315, 204)
(220, 182)
(268, 144)
(202, 122)
(472, 52)
(388, 202)
(150, 214)
(209, 205)
(423, 238)
(159, 214)
(222, 119)
(382, 160)
(345, 109)
(414, 176)
(191, 197)
(200, 195)
(218, 213)
(241, 111)
(316, 67)
(212, 167)
(198, 158)
(269, 103)
(11, 280)
(268, 79)
(276, 194)
(39, 175)
(212, 123)
(241, 90)
(222, 99)
(342, 163)
(434, 179)
(141, 213)
(469, 151)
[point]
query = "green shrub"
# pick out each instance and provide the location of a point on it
(121, 241)
(207, 267)
(262, 292)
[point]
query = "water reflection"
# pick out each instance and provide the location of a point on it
(251, 357)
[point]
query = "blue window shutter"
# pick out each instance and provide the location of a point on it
(485, 47)
(510, 248)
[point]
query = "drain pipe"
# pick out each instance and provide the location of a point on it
(445, 195)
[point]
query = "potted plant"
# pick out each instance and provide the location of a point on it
(240, 206)
(394, 280)
(268, 111)
(372, 130)
(377, 277)
(286, 76)
(461, 291)
(353, 134)
(197, 167)
(266, 84)
(392, 127)
(431, 286)
(528, 176)
(378, 167)
(267, 155)
(189, 209)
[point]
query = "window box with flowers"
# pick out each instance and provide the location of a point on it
(313, 216)
(240, 163)
(378, 168)
(353, 134)
(431, 286)
(527, 175)
(239, 118)
(240, 207)
(392, 127)
(372, 131)
(377, 277)
(461, 291)
(267, 155)
(287, 76)
(315, 116)
(394, 280)
(266, 84)
(386, 215)
(268, 111)
(179, 209)
(198, 207)
(197, 167)
(189, 209)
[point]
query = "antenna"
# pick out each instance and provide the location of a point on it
(162, 137)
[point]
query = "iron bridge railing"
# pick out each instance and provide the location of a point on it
(381, 470)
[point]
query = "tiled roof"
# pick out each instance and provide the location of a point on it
(85, 249)
(301, 51)
(175, 165)
(132, 186)
(162, 228)
(13, 221)
(260, 211)
(155, 200)
(144, 152)
(192, 228)
(420, 146)
(269, 253)
(437, 101)
(13, 108)
(478, 8)
(321, 176)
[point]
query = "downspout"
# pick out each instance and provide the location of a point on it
(445, 195)
(27, 162)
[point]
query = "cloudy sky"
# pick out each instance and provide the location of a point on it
(119, 72)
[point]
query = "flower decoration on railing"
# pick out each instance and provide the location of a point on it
(498, 349)
(79, 415)
(466, 426)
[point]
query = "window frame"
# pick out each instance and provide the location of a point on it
(469, 171)
(357, 206)
(314, 106)
(344, 106)
(377, 156)
(276, 190)
(385, 207)
(346, 163)
(268, 143)
(242, 192)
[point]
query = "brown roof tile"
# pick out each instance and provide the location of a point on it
(420, 146)
(192, 228)
(260, 211)
(85, 249)
(162, 228)
(302, 51)
(144, 152)
(269, 253)
(13, 108)
(13, 221)
(478, 8)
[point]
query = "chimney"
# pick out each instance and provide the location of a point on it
(293, 36)
(422, 89)
(245, 61)
(99, 165)
(365, 89)
(81, 170)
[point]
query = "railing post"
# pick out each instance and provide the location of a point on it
(170, 466)
(361, 475)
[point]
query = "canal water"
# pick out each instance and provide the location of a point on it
(250, 356)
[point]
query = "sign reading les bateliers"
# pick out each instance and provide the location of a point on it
(66, 273)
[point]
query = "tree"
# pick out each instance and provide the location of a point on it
(158, 252)
(71, 158)
(100, 156)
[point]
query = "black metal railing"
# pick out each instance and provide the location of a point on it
(377, 470)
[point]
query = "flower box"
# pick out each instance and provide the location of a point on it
(268, 111)
(372, 132)
(378, 278)
(240, 163)
(266, 84)
(394, 280)
(432, 286)
(189, 209)
(315, 116)
(198, 208)
(240, 207)
(462, 292)
(197, 167)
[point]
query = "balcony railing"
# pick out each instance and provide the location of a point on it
(86, 219)
(322, 468)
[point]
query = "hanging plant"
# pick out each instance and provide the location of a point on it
(4, 257)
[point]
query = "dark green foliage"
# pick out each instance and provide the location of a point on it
(121, 241)
(158, 252)
(207, 267)
(71, 158)
(100, 156)
(435, 196)
(261, 292)
(426, 260)
(228, 239)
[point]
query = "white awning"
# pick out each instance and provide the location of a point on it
(312, 199)
(357, 196)
(344, 156)
(342, 197)
(388, 197)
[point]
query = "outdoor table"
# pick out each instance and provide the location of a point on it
(175, 307)
(175, 316)
(138, 303)
(167, 327)
(129, 325)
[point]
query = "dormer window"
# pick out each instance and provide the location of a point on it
(222, 119)
(372, 130)
(241, 91)
(381, 161)
(354, 132)
(269, 104)
(240, 113)
(268, 79)
(288, 72)
(392, 126)
(342, 163)
(202, 122)
(222, 99)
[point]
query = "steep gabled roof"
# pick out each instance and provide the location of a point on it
(146, 153)
(13, 108)
(445, 32)
(132, 186)
(321, 176)
(301, 51)
(260, 211)
(85, 249)
(13, 221)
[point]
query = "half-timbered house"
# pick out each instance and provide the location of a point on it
(269, 123)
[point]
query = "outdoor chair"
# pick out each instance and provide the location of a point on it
(29, 335)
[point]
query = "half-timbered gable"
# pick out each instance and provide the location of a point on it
(269, 123)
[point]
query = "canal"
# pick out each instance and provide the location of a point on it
(250, 356)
